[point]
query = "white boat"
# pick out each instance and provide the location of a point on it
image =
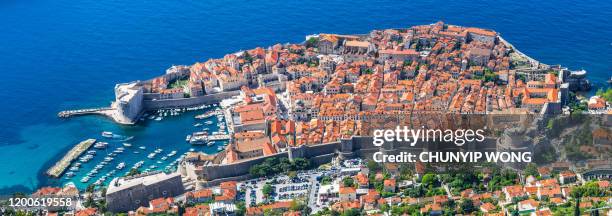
(101, 145)
(136, 152)
(138, 165)
(151, 156)
(152, 167)
(70, 174)
(85, 179)
(74, 168)
(108, 159)
(187, 138)
(121, 165)
(164, 158)
(159, 118)
(208, 122)
(142, 147)
(197, 125)
(191, 149)
(107, 134)
(172, 153)
(127, 144)
(91, 152)
(158, 150)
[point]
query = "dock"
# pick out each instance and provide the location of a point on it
(219, 137)
(59, 167)
(69, 113)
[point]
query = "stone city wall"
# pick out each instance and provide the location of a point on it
(349, 148)
(151, 104)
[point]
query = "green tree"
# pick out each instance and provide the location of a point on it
(531, 170)
(298, 205)
(312, 42)
(325, 180)
(348, 182)
(429, 179)
(267, 190)
(373, 166)
(240, 209)
(351, 212)
(606, 95)
(467, 206)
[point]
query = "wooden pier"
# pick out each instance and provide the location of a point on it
(59, 167)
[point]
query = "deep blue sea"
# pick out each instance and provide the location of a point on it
(61, 54)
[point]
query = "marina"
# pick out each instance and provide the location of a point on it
(100, 163)
(57, 170)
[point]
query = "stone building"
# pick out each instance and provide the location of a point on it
(129, 193)
(128, 100)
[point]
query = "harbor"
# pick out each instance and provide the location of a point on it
(59, 167)
(155, 144)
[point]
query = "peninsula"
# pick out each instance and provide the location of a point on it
(293, 107)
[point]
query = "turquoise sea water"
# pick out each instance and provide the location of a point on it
(60, 54)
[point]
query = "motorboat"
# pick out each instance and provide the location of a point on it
(121, 165)
(85, 179)
(151, 156)
(172, 153)
(127, 144)
(142, 147)
(101, 145)
(138, 165)
(107, 134)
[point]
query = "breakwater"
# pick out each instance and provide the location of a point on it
(59, 167)
(69, 113)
